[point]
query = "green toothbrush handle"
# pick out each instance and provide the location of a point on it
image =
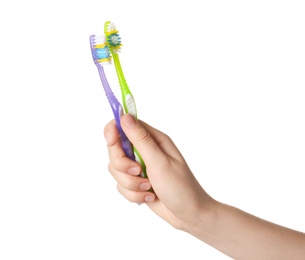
(141, 162)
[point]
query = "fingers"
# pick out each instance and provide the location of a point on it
(137, 197)
(116, 154)
(128, 181)
(125, 171)
(158, 152)
(133, 188)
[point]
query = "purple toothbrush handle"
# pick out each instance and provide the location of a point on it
(117, 110)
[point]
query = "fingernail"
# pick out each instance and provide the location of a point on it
(133, 171)
(129, 120)
(145, 186)
(149, 198)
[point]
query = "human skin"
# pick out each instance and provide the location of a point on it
(174, 194)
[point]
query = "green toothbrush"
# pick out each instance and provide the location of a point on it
(114, 44)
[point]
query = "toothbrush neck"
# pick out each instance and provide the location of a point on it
(104, 81)
(118, 68)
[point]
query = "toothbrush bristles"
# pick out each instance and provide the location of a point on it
(100, 51)
(113, 38)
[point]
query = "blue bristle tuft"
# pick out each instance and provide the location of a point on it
(103, 53)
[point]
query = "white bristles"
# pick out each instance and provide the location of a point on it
(111, 27)
(100, 39)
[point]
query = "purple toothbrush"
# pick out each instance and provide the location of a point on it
(101, 56)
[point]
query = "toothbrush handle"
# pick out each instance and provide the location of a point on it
(141, 162)
(129, 106)
(117, 110)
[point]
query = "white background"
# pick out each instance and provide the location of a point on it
(225, 79)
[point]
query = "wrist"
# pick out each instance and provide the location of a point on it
(203, 222)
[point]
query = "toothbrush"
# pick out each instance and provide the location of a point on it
(114, 43)
(101, 56)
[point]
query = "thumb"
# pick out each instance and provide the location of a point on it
(142, 140)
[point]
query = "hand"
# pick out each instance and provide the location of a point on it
(178, 197)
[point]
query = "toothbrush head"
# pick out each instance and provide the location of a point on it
(112, 37)
(100, 51)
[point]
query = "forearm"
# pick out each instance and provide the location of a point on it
(244, 236)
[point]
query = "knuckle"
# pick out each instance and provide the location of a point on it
(144, 137)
